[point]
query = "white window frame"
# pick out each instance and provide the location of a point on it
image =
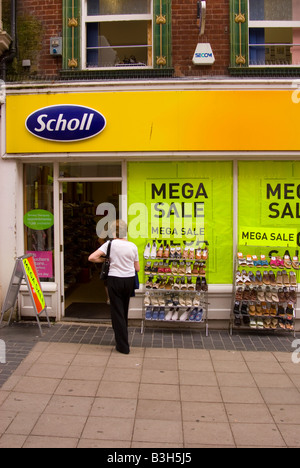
(106, 19)
(271, 24)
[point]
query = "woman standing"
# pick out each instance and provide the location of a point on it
(124, 263)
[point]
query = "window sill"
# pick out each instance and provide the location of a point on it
(265, 71)
(113, 74)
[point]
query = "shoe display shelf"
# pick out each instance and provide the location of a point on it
(265, 293)
(176, 288)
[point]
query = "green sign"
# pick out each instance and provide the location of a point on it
(39, 220)
(269, 203)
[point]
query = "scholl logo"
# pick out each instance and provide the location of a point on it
(65, 123)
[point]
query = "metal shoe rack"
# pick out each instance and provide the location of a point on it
(265, 292)
(176, 288)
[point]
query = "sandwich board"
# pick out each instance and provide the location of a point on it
(25, 268)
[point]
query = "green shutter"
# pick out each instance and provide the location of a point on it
(239, 33)
(71, 36)
(162, 46)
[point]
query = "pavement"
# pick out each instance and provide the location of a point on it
(71, 388)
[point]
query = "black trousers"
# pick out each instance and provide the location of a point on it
(120, 290)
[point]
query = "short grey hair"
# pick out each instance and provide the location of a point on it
(118, 229)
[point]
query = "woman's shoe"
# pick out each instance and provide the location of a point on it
(175, 316)
(153, 251)
(147, 251)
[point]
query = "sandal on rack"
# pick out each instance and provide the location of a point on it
(293, 278)
(149, 283)
(190, 285)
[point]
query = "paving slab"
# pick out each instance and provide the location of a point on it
(64, 392)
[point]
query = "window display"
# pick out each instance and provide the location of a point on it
(182, 204)
(176, 283)
(265, 292)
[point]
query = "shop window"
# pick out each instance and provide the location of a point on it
(265, 34)
(118, 33)
(185, 204)
(38, 217)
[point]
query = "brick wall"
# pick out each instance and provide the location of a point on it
(185, 37)
(49, 14)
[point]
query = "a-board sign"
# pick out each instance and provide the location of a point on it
(25, 268)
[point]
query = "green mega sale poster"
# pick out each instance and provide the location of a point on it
(269, 205)
(186, 203)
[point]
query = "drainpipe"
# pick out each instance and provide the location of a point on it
(10, 55)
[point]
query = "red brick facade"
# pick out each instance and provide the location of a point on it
(49, 14)
(185, 36)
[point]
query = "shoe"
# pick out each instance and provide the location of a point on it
(160, 252)
(175, 316)
(153, 251)
(155, 313)
(147, 299)
(293, 278)
(169, 314)
(199, 316)
(193, 315)
(196, 301)
(184, 316)
(161, 315)
(166, 252)
(253, 323)
(204, 286)
(192, 253)
(185, 254)
(287, 262)
(147, 251)
(148, 314)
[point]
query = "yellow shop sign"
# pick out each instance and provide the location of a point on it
(140, 121)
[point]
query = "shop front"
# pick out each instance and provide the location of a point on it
(192, 166)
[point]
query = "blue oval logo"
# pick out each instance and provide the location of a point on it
(65, 123)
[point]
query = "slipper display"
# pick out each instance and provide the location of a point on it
(176, 282)
(265, 298)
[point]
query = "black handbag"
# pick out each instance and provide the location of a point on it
(106, 264)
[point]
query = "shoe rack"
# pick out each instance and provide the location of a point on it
(265, 293)
(176, 288)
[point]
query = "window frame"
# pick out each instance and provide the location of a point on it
(114, 18)
(240, 25)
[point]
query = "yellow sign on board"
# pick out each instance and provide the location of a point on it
(269, 237)
(173, 121)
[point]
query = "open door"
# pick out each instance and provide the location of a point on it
(84, 296)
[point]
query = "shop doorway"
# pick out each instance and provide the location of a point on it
(85, 296)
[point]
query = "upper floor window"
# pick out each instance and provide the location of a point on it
(274, 33)
(117, 34)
